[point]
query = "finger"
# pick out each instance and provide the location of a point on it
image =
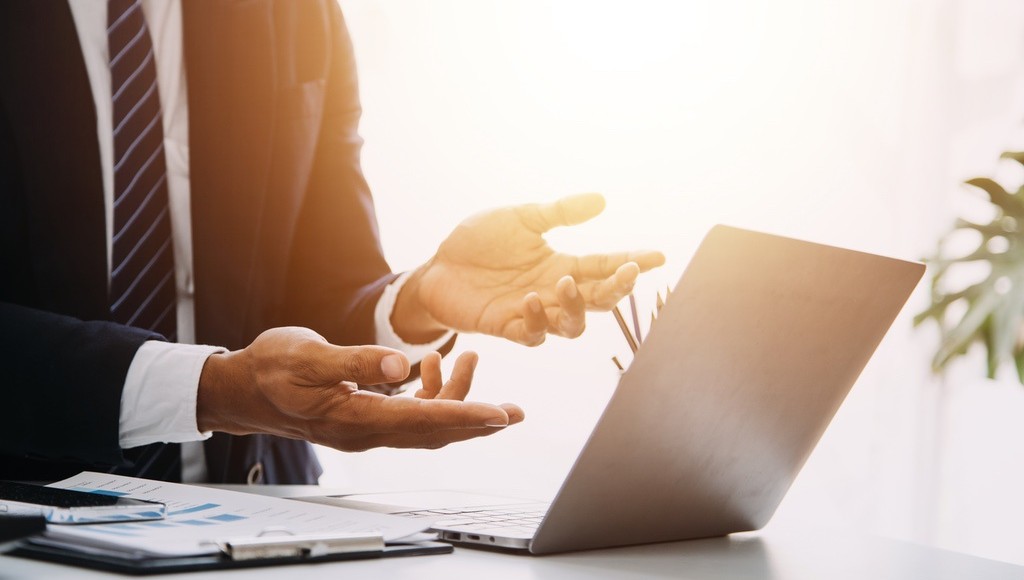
(514, 412)
(326, 363)
(438, 439)
(370, 413)
(535, 320)
(531, 329)
(345, 387)
(458, 385)
(571, 314)
(430, 376)
(597, 266)
(568, 211)
(607, 293)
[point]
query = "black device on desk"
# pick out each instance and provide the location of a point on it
(65, 506)
(14, 528)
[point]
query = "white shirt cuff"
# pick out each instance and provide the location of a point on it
(158, 403)
(386, 335)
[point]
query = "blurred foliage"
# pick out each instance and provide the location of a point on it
(993, 309)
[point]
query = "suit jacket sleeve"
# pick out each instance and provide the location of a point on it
(338, 270)
(62, 382)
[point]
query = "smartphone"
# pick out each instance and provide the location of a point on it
(65, 506)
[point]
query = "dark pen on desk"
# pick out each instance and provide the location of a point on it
(633, 346)
(634, 343)
(636, 319)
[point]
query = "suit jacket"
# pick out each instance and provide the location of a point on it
(284, 231)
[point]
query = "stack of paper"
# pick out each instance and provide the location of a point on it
(199, 517)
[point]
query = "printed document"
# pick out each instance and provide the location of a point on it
(198, 517)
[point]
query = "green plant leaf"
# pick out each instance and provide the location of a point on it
(988, 231)
(966, 331)
(940, 302)
(1017, 156)
(1008, 203)
(991, 356)
(994, 314)
(1006, 321)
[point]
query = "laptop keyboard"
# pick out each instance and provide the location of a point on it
(518, 519)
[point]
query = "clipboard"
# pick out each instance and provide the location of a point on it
(282, 552)
(215, 529)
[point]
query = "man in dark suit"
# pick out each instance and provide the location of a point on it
(279, 233)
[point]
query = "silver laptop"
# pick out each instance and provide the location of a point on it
(748, 361)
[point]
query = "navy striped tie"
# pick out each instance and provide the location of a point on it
(142, 290)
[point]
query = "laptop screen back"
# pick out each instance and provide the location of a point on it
(748, 361)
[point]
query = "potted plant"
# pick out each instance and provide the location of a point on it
(990, 311)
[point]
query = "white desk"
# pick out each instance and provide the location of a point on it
(770, 555)
(774, 554)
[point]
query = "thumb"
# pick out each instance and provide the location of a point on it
(367, 365)
(567, 211)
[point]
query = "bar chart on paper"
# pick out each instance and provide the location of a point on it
(198, 517)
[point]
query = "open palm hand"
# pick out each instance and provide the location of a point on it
(496, 274)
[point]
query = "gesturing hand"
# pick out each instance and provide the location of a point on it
(495, 274)
(292, 382)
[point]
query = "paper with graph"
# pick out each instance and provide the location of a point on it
(197, 517)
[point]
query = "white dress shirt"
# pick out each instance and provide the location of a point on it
(158, 403)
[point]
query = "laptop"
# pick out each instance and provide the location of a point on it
(738, 378)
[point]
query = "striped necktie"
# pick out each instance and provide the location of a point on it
(142, 289)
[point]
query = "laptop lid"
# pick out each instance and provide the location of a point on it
(744, 369)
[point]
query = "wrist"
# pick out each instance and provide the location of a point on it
(221, 374)
(410, 318)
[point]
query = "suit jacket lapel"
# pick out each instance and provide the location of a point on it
(229, 63)
(53, 119)
(256, 80)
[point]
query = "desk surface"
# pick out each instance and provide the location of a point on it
(775, 554)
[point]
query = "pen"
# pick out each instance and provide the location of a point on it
(625, 329)
(636, 318)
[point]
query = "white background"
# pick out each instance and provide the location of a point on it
(851, 123)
